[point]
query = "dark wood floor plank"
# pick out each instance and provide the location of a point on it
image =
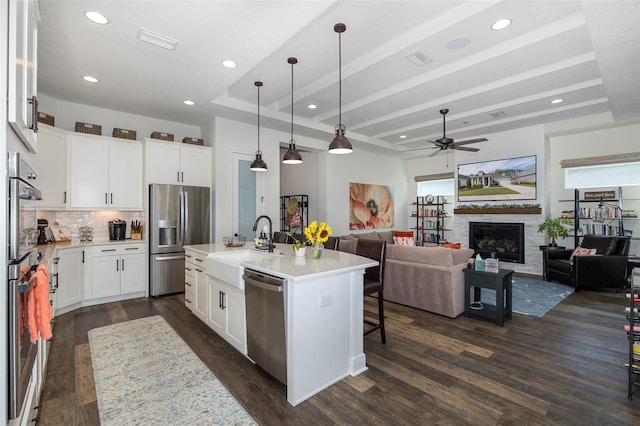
(565, 368)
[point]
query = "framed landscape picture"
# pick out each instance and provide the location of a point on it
(498, 180)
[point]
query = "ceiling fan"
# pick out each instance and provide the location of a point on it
(445, 143)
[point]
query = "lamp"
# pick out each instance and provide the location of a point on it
(340, 144)
(258, 165)
(601, 214)
(292, 156)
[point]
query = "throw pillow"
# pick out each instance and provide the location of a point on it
(451, 245)
(403, 233)
(581, 251)
(404, 241)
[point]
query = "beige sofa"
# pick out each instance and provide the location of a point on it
(428, 278)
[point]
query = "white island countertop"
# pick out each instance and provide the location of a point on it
(283, 263)
(323, 303)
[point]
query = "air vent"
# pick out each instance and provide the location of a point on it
(157, 39)
(419, 58)
(498, 114)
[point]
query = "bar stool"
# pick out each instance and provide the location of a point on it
(374, 280)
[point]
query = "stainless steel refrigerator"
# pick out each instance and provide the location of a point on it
(178, 215)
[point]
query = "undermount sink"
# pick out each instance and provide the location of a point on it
(227, 267)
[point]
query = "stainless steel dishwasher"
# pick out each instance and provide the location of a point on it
(266, 344)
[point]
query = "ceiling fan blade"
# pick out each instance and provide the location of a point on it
(436, 153)
(470, 141)
(420, 149)
(464, 148)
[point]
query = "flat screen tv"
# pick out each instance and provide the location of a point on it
(498, 180)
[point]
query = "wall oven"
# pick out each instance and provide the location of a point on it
(22, 261)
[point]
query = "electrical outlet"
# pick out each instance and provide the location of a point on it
(326, 300)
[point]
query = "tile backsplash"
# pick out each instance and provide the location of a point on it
(98, 220)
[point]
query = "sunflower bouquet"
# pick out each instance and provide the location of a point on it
(317, 233)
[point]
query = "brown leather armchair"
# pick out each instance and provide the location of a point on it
(607, 268)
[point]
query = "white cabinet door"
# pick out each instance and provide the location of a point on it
(163, 162)
(89, 172)
(125, 174)
(70, 277)
(195, 165)
(236, 328)
(24, 16)
(105, 276)
(216, 318)
(105, 173)
(201, 294)
(132, 273)
(175, 163)
(51, 164)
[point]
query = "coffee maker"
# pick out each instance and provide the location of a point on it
(117, 229)
(45, 236)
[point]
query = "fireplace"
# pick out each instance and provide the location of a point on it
(503, 241)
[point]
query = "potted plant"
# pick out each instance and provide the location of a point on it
(554, 228)
(297, 246)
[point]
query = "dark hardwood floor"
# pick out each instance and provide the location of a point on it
(566, 368)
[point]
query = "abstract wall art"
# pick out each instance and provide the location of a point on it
(370, 206)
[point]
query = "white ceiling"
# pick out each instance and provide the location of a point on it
(586, 52)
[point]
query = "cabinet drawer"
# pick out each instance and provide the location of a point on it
(119, 249)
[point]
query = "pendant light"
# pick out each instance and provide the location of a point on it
(292, 156)
(340, 144)
(258, 165)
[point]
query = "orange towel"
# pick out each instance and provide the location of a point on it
(40, 312)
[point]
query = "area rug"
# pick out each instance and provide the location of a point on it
(145, 374)
(531, 297)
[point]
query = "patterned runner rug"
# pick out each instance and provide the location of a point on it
(145, 374)
(532, 297)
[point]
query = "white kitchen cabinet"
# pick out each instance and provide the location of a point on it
(51, 164)
(189, 280)
(117, 269)
(22, 111)
(98, 184)
(227, 313)
(178, 163)
(196, 283)
(70, 282)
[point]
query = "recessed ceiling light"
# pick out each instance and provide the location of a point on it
(188, 102)
(312, 106)
(90, 79)
(403, 136)
(229, 64)
(458, 43)
(501, 24)
(557, 101)
(96, 17)
(466, 122)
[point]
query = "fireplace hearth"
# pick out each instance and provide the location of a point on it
(503, 241)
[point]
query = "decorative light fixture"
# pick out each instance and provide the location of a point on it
(340, 144)
(258, 165)
(292, 156)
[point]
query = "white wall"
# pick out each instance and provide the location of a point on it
(337, 171)
(67, 113)
(612, 141)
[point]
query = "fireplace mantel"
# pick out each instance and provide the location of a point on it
(496, 210)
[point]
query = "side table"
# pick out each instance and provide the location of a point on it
(500, 282)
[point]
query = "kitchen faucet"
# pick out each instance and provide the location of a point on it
(255, 227)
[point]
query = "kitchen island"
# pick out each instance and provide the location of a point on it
(323, 309)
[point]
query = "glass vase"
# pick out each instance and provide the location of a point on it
(318, 249)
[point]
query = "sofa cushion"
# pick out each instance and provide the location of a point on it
(559, 265)
(602, 244)
(427, 255)
(367, 236)
(461, 255)
(386, 236)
